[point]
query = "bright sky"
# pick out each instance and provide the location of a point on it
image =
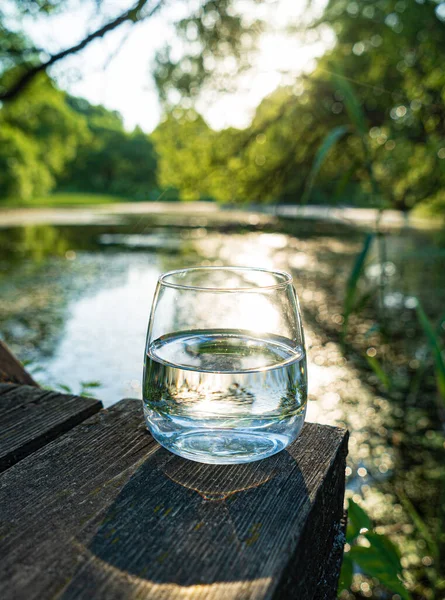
(117, 74)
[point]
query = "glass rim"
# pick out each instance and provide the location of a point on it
(286, 279)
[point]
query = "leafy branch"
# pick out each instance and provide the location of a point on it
(133, 15)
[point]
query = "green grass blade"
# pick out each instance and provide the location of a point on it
(435, 347)
(329, 141)
(379, 371)
(419, 523)
(351, 102)
(352, 284)
(90, 384)
(64, 388)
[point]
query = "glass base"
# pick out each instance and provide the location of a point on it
(219, 446)
(223, 446)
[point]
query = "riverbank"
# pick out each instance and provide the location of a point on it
(105, 213)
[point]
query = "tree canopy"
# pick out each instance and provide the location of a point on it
(386, 62)
(390, 53)
(50, 140)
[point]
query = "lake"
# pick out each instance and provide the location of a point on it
(76, 298)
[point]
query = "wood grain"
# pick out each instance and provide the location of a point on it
(11, 370)
(328, 581)
(105, 512)
(31, 417)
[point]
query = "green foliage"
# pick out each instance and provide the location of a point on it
(358, 520)
(390, 52)
(351, 296)
(374, 554)
(382, 375)
(86, 388)
(381, 560)
(389, 89)
(435, 347)
(328, 142)
(382, 79)
(184, 144)
(346, 573)
(351, 102)
(217, 42)
(64, 388)
(112, 161)
(71, 199)
(48, 140)
(421, 526)
(22, 174)
(40, 135)
(433, 207)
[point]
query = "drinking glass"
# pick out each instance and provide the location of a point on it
(225, 377)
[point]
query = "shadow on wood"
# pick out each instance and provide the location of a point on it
(175, 535)
(180, 529)
(105, 512)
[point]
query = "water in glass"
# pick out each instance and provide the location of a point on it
(224, 395)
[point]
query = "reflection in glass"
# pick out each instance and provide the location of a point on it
(225, 372)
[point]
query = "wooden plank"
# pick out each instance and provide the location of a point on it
(105, 512)
(11, 370)
(328, 581)
(31, 418)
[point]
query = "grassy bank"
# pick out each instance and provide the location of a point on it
(66, 199)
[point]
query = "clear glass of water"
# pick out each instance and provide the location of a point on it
(225, 377)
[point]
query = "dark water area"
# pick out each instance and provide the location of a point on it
(75, 303)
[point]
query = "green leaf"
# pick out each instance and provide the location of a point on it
(435, 346)
(384, 545)
(351, 286)
(379, 371)
(64, 388)
(357, 519)
(90, 384)
(346, 573)
(419, 523)
(361, 302)
(381, 560)
(329, 141)
(352, 103)
(344, 180)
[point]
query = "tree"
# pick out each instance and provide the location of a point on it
(390, 52)
(111, 160)
(40, 134)
(184, 144)
(22, 174)
(219, 27)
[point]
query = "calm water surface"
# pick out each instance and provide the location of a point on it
(75, 303)
(75, 300)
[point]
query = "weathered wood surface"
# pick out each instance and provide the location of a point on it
(105, 512)
(11, 370)
(31, 417)
(328, 581)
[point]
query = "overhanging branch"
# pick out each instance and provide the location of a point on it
(133, 15)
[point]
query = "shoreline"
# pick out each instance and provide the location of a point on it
(106, 213)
